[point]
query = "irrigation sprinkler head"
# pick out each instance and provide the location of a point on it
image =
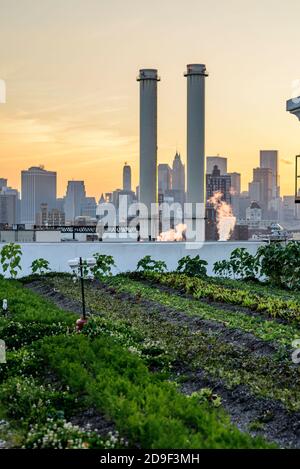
(91, 262)
(80, 323)
(4, 306)
(74, 262)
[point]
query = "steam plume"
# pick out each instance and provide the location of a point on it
(177, 234)
(225, 218)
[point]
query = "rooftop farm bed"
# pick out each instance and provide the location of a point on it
(107, 387)
(241, 355)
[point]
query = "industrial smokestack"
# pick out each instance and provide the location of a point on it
(196, 74)
(148, 79)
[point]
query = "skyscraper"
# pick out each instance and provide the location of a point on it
(178, 174)
(217, 182)
(219, 161)
(74, 200)
(269, 159)
(164, 178)
(3, 183)
(263, 178)
(9, 205)
(38, 186)
(88, 207)
(127, 177)
(235, 183)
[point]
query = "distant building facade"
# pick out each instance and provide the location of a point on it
(253, 215)
(178, 174)
(262, 179)
(9, 204)
(38, 186)
(52, 217)
(220, 161)
(235, 183)
(269, 159)
(164, 178)
(216, 182)
(74, 199)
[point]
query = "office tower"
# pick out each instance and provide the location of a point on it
(196, 74)
(289, 208)
(219, 161)
(88, 207)
(241, 203)
(164, 178)
(148, 79)
(269, 159)
(254, 191)
(53, 217)
(263, 188)
(235, 183)
(9, 205)
(178, 174)
(74, 200)
(38, 186)
(253, 215)
(127, 177)
(3, 183)
(60, 202)
(216, 182)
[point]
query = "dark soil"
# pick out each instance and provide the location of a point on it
(232, 336)
(277, 424)
(90, 419)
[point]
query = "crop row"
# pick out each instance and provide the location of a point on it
(264, 329)
(204, 288)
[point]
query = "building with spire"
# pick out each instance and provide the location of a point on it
(178, 174)
(126, 177)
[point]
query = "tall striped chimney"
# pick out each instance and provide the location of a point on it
(148, 79)
(196, 74)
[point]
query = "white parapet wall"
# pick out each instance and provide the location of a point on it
(126, 255)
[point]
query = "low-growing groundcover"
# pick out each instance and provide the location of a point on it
(54, 375)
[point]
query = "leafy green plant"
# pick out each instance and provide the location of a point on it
(207, 395)
(244, 265)
(193, 266)
(40, 266)
(10, 258)
(241, 264)
(103, 266)
(147, 264)
(281, 264)
(222, 268)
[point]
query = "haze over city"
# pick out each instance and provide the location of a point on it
(73, 101)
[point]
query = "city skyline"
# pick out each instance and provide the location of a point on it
(75, 108)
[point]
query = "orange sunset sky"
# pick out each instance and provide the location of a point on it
(72, 100)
